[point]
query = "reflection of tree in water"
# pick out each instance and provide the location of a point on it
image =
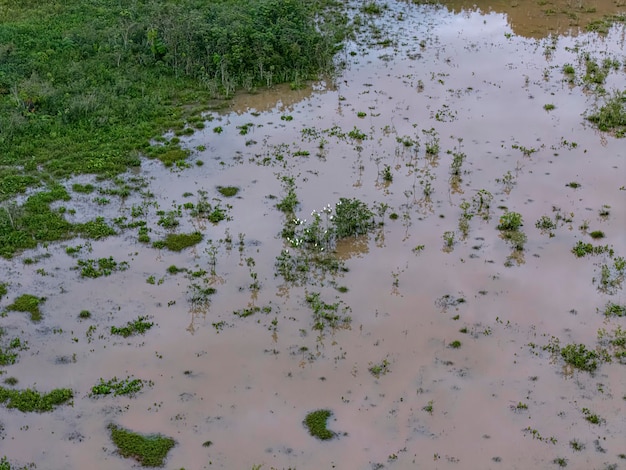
(541, 19)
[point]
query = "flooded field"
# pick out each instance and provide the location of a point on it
(465, 311)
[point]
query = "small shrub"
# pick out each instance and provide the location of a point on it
(510, 221)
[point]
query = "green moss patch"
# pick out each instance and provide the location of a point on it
(32, 401)
(228, 191)
(316, 422)
(28, 303)
(149, 450)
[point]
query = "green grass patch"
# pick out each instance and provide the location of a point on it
(316, 422)
(138, 326)
(615, 310)
(3, 289)
(612, 115)
(28, 303)
(30, 400)
(179, 241)
(149, 450)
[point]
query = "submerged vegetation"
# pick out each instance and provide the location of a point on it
(31, 400)
(28, 303)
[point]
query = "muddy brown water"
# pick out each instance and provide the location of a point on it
(247, 384)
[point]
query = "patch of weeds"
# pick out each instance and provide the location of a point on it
(560, 461)
(83, 188)
(549, 107)
(102, 267)
(597, 234)
(612, 115)
(382, 368)
(352, 217)
(582, 249)
(429, 407)
(573, 185)
(117, 387)
(30, 400)
(448, 239)
(84, 314)
(149, 450)
(387, 175)
(138, 326)
(228, 191)
(3, 289)
(246, 312)
(179, 241)
(611, 276)
(168, 219)
(11, 381)
(334, 315)
(173, 269)
(614, 310)
(316, 422)
(9, 354)
(289, 203)
(578, 356)
(200, 295)
(592, 417)
(545, 224)
(218, 129)
(510, 221)
(456, 344)
(576, 445)
(96, 229)
(28, 303)
(357, 134)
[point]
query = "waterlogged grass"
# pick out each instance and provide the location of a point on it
(228, 191)
(149, 450)
(179, 241)
(30, 304)
(611, 116)
(30, 400)
(316, 422)
(580, 357)
(102, 267)
(138, 326)
(116, 387)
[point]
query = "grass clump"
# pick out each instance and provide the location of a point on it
(597, 234)
(612, 115)
(578, 356)
(510, 221)
(316, 422)
(379, 369)
(138, 326)
(102, 267)
(149, 450)
(615, 310)
(3, 290)
(28, 303)
(179, 241)
(228, 191)
(117, 387)
(30, 400)
(84, 314)
(456, 344)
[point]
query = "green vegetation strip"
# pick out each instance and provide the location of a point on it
(31, 400)
(138, 326)
(149, 450)
(117, 387)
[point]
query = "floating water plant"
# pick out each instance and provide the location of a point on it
(138, 326)
(149, 450)
(316, 422)
(179, 241)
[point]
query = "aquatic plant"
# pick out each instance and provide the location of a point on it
(149, 450)
(28, 303)
(30, 400)
(179, 241)
(316, 422)
(138, 326)
(580, 357)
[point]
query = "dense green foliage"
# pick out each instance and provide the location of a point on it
(149, 450)
(117, 387)
(179, 241)
(612, 115)
(84, 84)
(580, 357)
(31, 400)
